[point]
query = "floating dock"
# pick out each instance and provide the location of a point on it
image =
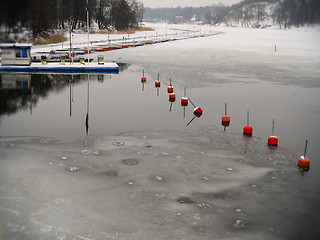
(38, 68)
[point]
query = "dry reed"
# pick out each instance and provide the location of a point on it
(49, 39)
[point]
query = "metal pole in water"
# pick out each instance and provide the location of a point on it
(248, 118)
(273, 127)
(305, 149)
(88, 26)
(70, 38)
(192, 103)
(225, 109)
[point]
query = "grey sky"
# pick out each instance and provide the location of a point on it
(184, 3)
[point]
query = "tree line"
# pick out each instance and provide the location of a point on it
(41, 16)
(286, 13)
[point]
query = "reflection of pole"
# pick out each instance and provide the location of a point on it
(87, 117)
(30, 106)
(191, 120)
(70, 99)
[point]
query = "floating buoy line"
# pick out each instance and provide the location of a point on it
(273, 141)
(106, 46)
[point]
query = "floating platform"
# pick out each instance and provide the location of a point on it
(38, 68)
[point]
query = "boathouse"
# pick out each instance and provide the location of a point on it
(15, 54)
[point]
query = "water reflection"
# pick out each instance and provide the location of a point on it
(19, 92)
(15, 93)
(87, 116)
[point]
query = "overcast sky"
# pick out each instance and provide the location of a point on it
(184, 3)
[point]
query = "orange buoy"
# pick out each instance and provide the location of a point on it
(273, 140)
(303, 161)
(247, 130)
(172, 97)
(225, 119)
(143, 78)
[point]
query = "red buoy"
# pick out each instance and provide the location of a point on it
(184, 99)
(157, 83)
(247, 130)
(273, 140)
(184, 102)
(143, 78)
(172, 97)
(225, 119)
(303, 161)
(197, 112)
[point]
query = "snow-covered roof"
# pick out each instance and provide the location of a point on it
(15, 45)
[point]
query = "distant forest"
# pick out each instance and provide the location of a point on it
(41, 16)
(285, 13)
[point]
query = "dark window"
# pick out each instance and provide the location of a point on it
(18, 53)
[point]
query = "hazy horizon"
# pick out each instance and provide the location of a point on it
(185, 3)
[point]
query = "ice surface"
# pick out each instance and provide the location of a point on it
(164, 184)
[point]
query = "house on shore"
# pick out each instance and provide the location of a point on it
(16, 54)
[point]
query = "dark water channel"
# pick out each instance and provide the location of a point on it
(67, 107)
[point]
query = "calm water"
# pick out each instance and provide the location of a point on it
(56, 106)
(67, 107)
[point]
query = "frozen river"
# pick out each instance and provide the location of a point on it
(141, 172)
